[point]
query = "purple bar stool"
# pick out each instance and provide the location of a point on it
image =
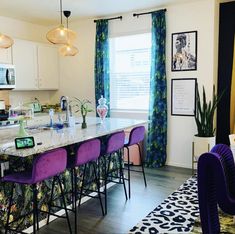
(45, 166)
(87, 153)
(114, 144)
(136, 136)
(213, 189)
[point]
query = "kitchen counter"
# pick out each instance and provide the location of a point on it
(51, 139)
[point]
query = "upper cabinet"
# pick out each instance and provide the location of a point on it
(5, 56)
(48, 67)
(25, 61)
(36, 64)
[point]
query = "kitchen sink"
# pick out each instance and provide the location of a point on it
(46, 127)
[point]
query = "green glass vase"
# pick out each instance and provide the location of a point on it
(22, 132)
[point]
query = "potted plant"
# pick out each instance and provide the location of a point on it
(83, 106)
(204, 140)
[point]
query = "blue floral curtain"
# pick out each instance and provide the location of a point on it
(102, 85)
(157, 128)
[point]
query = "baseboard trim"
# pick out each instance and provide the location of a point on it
(175, 164)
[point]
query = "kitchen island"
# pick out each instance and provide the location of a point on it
(46, 140)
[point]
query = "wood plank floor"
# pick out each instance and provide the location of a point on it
(123, 215)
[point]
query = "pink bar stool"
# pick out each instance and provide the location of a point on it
(136, 136)
(45, 166)
(115, 144)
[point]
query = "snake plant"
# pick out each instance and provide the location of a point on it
(204, 113)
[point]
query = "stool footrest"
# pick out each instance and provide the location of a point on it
(58, 216)
(133, 170)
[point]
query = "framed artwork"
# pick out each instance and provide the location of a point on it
(184, 51)
(183, 96)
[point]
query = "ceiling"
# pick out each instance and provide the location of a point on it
(46, 12)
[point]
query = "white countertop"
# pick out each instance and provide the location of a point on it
(52, 139)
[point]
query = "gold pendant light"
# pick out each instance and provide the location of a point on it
(68, 49)
(61, 35)
(5, 41)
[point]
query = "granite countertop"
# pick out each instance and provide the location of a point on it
(52, 138)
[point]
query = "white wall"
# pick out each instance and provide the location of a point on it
(27, 31)
(192, 16)
(77, 74)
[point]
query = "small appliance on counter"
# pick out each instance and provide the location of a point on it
(7, 76)
(3, 112)
(35, 105)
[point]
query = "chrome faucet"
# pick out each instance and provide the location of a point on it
(64, 105)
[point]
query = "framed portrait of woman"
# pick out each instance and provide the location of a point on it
(184, 51)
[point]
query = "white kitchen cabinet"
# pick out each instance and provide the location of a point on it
(24, 54)
(36, 64)
(5, 56)
(48, 67)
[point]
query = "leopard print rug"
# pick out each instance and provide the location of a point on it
(176, 214)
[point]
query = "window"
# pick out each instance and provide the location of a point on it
(130, 64)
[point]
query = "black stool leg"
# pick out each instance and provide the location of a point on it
(75, 200)
(105, 180)
(128, 171)
(98, 187)
(35, 209)
(65, 208)
(83, 181)
(51, 199)
(72, 185)
(121, 172)
(142, 165)
(9, 208)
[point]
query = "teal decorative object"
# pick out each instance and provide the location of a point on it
(157, 129)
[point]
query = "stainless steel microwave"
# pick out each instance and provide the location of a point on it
(7, 76)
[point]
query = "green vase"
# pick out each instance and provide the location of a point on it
(22, 132)
(84, 125)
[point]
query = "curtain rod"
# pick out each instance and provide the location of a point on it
(114, 18)
(145, 13)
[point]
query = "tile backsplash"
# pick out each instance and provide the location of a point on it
(17, 97)
(4, 95)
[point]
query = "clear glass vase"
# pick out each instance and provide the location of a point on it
(102, 108)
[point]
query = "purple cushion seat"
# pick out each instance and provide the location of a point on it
(136, 136)
(87, 151)
(20, 177)
(115, 142)
(45, 166)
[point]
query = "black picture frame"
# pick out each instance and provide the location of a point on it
(184, 51)
(183, 96)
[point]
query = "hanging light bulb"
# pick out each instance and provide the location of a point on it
(60, 34)
(68, 49)
(5, 41)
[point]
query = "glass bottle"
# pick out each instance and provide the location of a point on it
(102, 108)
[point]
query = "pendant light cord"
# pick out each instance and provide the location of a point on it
(61, 12)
